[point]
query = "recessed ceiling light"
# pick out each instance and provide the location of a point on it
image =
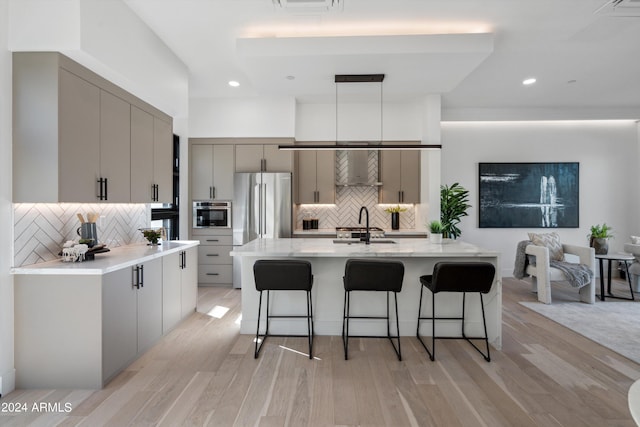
(529, 81)
(290, 77)
(234, 83)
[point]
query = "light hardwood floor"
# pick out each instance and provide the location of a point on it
(204, 373)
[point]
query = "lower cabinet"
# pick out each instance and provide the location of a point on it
(179, 287)
(131, 314)
(78, 331)
(215, 265)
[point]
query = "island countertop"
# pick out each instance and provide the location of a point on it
(328, 263)
(318, 247)
(115, 259)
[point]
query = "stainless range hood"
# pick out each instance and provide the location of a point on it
(357, 168)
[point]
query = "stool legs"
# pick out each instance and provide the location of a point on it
(431, 353)
(345, 325)
(261, 338)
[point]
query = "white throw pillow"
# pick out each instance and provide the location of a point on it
(635, 240)
(551, 241)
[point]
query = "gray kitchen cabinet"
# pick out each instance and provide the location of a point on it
(400, 176)
(131, 314)
(179, 287)
(151, 158)
(115, 143)
(263, 158)
(72, 135)
(315, 176)
(212, 168)
(119, 321)
(215, 265)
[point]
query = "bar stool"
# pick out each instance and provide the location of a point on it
(283, 275)
(456, 277)
(371, 275)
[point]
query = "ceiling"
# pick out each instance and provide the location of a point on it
(476, 53)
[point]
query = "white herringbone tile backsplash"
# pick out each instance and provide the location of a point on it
(40, 229)
(349, 200)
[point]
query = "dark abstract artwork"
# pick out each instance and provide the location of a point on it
(528, 195)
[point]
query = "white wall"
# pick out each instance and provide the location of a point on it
(606, 150)
(109, 39)
(358, 122)
(7, 372)
(242, 118)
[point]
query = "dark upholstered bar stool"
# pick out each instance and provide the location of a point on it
(283, 275)
(371, 275)
(456, 277)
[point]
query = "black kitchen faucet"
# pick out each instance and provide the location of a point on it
(367, 237)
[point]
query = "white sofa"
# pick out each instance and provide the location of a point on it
(542, 274)
(634, 269)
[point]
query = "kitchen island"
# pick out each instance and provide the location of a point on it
(78, 324)
(328, 261)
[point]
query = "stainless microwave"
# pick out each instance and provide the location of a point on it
(211, 214)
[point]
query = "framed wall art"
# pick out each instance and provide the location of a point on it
(528, 195)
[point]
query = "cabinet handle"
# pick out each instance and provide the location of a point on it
(213, 254)
(99, 181)
(213, 274)
(157, 192)
(142, 276)
(213, 195)
(184, 259)
(103, 188)
(263, 165)
(106, 190)
(213, 240)
(136, 278)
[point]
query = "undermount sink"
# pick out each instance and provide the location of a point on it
(358, 241)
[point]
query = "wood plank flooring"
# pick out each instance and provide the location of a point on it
(204, 373)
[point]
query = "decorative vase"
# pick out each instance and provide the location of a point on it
(395, 220)
(436, 238)
(600, 244)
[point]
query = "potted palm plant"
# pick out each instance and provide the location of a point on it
(598, 238)
(435, 230)
(454, 202)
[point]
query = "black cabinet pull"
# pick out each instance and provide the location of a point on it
(136, 277)
(213, 240)
(106, 190)
(142, 276)
(102, 182)
(213, 254)
(213, 274)
(184, 259)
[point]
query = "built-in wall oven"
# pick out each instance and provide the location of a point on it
(211, 214)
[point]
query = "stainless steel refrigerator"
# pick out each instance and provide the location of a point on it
(261, 209)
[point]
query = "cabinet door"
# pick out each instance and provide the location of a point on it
(150, 304)
(202, 171)
(223, 169)
(171, 292)
(115, 147)
(190, 282)
(326, 176)
(410, 176)
(119, 322)
(141, 156)
(163, 160)
(79, 143)
(248, 158)
(277, 160)
(390, 176)
(306, 176)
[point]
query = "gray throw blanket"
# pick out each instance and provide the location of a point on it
(578, 275)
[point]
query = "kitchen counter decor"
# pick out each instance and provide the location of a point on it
(153, 235)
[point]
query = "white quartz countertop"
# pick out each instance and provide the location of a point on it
(331, 232)
(318, 247)
(115, 259)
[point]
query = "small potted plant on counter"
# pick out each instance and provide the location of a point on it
(598, 238)
(435, 230)
(395, 215)
(152, 235)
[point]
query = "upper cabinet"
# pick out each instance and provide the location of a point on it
(151, 158)
(400, 176)
(212, 167)
(315, 176)
(76, 135)
(263, 158)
